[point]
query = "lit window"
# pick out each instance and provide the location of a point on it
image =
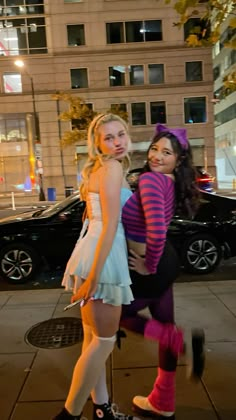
(23, 36)
(12, 82)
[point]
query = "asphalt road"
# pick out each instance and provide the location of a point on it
(52, 279)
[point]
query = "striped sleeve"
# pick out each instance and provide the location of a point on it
(152, 187)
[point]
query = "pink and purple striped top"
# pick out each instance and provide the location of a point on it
(146, 215)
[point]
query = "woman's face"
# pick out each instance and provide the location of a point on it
(161, 157)
(113, 139)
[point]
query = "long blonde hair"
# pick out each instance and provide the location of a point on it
(94, 154)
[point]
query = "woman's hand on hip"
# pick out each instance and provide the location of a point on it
(137, 263)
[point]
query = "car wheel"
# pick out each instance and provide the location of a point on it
(201, 254)
(18, 263)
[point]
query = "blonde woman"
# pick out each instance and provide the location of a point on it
(98, 268)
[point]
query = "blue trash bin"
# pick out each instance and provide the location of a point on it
(51, 194)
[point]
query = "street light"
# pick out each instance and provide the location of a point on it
(21, 64)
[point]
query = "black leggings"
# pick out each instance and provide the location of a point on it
(156, 284)
(157, 296)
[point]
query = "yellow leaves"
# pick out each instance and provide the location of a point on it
(230, 82)
(193, 41)
(182, 5)
(215, 35)
(232, 23)
(230, 44)
(80, 115)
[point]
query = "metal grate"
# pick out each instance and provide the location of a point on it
(55, 333)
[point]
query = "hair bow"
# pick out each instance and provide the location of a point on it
(179, 133)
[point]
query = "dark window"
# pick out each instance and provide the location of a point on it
(216, 72)
(21, 7)
(152, 30)
(75, 35)
(233, 57)
(156, 73)
(195, 110)
(136, 75)
(138, 113)
(134, 31)
(158, 112)
(193, 71)
(36, 35)
(79, 78)
(117, 75)
(227, 115)
(115, 33)
(200, 27)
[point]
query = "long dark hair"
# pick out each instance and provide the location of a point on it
(186, 192)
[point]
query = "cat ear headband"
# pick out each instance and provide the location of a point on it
(179, 133)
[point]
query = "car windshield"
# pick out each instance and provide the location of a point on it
(61, 205)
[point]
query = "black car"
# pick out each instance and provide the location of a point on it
(47, 236)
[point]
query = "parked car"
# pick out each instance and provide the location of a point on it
(205, 180)
(31, 239)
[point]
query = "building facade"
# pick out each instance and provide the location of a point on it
(108, 52)
(224, 60)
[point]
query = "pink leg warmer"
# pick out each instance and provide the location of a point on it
(168, 335)
(162, 396)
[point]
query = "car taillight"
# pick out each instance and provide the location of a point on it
(207, 179)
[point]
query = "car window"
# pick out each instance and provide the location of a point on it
(62, 205)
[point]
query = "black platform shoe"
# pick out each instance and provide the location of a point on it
(65, 415)
(109, 412)
(198, 354)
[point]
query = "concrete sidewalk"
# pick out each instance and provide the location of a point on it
(34, 382)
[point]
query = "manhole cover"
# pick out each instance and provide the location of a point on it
(55, 333)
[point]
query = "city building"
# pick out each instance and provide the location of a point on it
(224, 60)
(108, 52)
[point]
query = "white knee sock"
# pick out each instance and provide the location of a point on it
(99, 393)
(87, 372)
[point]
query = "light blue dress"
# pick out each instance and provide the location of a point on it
(114, 282)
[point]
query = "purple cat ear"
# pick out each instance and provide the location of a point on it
(179, 133)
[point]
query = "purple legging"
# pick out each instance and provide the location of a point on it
(161, 309)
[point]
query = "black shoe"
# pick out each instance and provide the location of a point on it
(109, 412)
(65, 415)
(198, 351)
